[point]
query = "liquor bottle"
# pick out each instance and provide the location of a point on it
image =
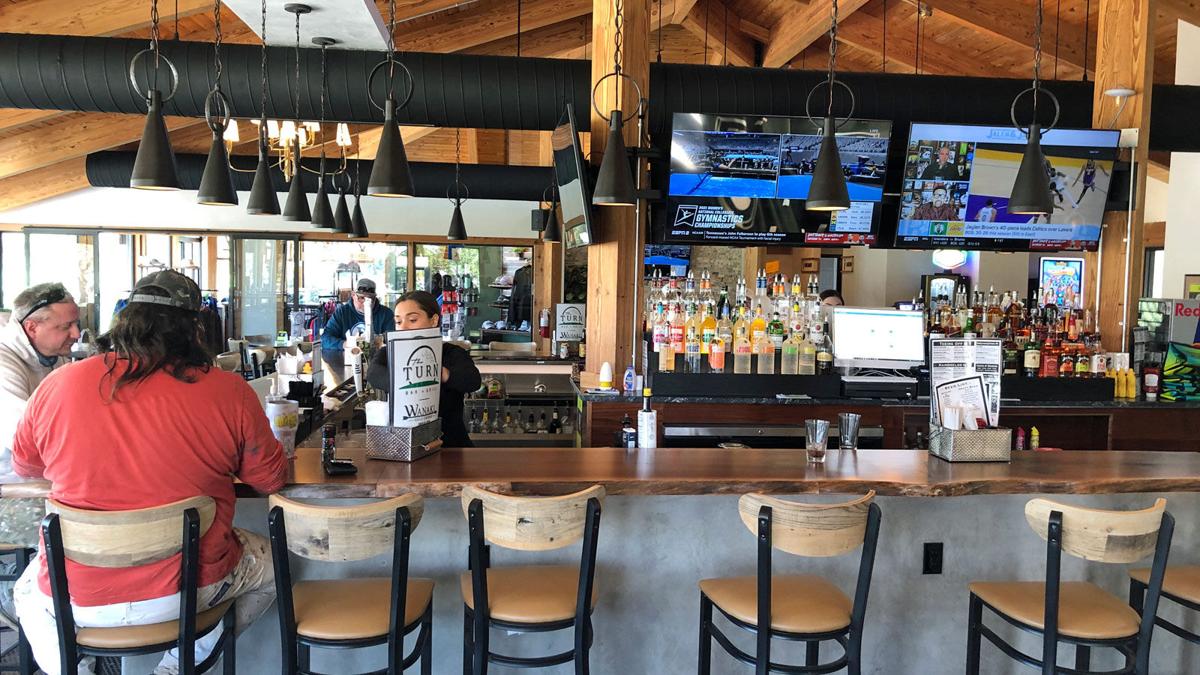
(555, 424)
(473, 425)
(692, 321)
(807, 362)
(541, 425)
(530, 425)
(661, 332)
(1050, 354)
(766, 355)
(824, 356)
(739, 296)
(678, 320)
(1066, 362)
(1032, 359)
(789, 359)
(1083, 362)
(568, 425)
(742, 351)
(691, 351)
(647, 423)
(485, 427)
(1011, 357)
(519, 422)
(758, 327)
(725, 329)
(723, 300)
(716, 355)
(708, 328)
(508, 427)
(776, 331)
(666, 358)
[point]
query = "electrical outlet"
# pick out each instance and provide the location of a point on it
(932, 560)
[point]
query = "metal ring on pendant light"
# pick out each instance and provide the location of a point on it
(133, 74)
(1036, 90)
(808, 102)
(636, 86)
(375, 71)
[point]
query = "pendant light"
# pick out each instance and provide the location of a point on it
(391, 175)
(356, 219)
(827, 191)
(614, 184)
(216, 183)
(296, 207)
(1031, 190)
(322, 215)
(154, 166)
(263, 199)
(458, 228)
(550, 229)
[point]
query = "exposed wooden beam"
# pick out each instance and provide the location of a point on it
(97, 17)
(564, 40)
(39, 184)
(754, 30)
(1188, 10)
(707, 20)
(681, 9)
(12, 118)
(1013, 21)
(74, 135)
(484, 22)
(490, 145)
(1158, 171)
(800, 28)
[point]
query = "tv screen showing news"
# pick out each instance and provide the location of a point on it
(744, 179)
(957, 179)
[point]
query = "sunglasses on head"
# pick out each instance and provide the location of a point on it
(54, 297)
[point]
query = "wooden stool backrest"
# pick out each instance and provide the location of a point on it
(532, 523)
(344, 533)
(127, 538)
(811, 530)
(1100, 535)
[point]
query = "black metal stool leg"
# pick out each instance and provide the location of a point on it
(1083, 657)
(229, 653)
(427, 646)
(704, 661)
(812, 653)
(108, 665)
(468, 641)
(975, 619)
(305, 658)
(1137, 595)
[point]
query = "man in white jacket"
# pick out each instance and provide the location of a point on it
(43, 326)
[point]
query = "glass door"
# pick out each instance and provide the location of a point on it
(55, 257)
(115, 273)
(263, 280)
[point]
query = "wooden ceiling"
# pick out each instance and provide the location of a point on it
(41, 152)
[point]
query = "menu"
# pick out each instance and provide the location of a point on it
(965, 374)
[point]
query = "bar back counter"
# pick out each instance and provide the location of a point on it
(671, 519)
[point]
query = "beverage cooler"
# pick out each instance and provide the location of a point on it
(1168, 336)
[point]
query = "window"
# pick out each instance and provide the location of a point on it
(1152, 281)
(330, 270)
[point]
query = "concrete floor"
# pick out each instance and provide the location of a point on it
(653, 550)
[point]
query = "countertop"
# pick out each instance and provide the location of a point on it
(697, 471)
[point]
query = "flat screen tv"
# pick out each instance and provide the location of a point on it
(574, 191)
(668, 259)
(957, 179)
(744, 179)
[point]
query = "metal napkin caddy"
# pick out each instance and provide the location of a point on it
(970, 445)
(404, 444)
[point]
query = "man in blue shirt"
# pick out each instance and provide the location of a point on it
(348, 317)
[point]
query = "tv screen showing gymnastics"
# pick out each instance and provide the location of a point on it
(957, 180)
(771, 157)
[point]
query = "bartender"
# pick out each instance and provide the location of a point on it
(419, 309)
(350, 317)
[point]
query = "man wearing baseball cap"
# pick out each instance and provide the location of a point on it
(148, 422)
(349, 318)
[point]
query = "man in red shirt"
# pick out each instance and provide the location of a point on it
(146, 423)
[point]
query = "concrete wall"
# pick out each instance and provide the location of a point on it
(653, 551)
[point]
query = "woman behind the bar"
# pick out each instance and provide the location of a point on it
(419, 309)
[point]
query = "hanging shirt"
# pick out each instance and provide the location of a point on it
(159, 441)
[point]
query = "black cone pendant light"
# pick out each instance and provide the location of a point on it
(1031, 190)
(614, 184)
(216, 183)
(322, 215)
(263, 199)
(391, 175)
(341, 215)
(357, 222)
(458, 227)
(154, 165)
(828, 191)
(550, 230)
(296, 207)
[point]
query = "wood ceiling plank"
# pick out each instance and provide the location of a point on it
(1013, 20)
(564, 40)
(43, 183)
(800, 28)
(97, 17)
(712, 20)
(1188, 10)
(483, 22)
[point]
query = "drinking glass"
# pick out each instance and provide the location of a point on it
(848, 425)
(816, 437)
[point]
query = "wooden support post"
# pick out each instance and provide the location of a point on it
(1124, 58)
(615, 257)
(547, 286)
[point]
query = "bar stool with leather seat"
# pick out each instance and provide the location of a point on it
(117, 539)
(1076, 612)
(1181, 585)
(350, 613)
(799, 608)
(17, 658)
(530, 598)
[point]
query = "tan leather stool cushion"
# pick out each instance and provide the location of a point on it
(529, 594)
(354, 609)
(1181, 581)
(128, 637)
(800, 603)
(1084, 610)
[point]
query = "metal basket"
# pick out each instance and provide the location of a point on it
(403, 444)
(979, 445)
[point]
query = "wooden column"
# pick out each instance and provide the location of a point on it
(615, 256)
(547, 286)
(1124, 58)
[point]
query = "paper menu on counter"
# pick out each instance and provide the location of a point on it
(954, 360)
(962, 404)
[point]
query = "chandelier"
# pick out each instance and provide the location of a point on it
(281, 136)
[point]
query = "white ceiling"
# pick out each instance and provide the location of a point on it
(355, 24)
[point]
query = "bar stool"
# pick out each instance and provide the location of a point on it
(800, 608)
(1077, 612)
(530, 598)
(350, 613)
(17, 658)
(1180, 584)
(118, 539)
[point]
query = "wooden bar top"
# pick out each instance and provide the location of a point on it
(697, 471)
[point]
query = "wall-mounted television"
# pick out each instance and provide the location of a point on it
(743, 180)
(668, 259)
(574, 190)
(957, 179)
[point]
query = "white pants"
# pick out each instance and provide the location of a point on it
(252, 582)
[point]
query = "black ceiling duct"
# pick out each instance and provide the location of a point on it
(54, 72)
(488, 181)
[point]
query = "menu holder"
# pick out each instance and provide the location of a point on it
(977, 445)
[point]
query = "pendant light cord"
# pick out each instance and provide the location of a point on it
(885, 23)
(154, 38)
(618, 22)
(707, 4)
(725, 38)
(297, 79)
(324, 85)
(457, 165)
(217, 66)
(1037, 58)
(1087, 27)
(833, 26)
(518, 29)
(391, 48)
(660, 13)
(263, 94)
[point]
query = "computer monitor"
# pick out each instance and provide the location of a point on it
(877, 338)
